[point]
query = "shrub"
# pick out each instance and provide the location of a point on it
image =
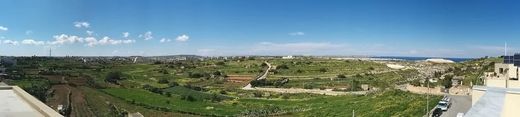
(323, 70)
(188, 98)
(220, 63)
(342, 76)
(113, 77)
(283, 66)
(308, 86)
(173, 84)
(163, 81)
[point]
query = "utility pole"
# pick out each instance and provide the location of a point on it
(428, 97)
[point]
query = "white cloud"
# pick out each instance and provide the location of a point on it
(32, 42)
(10, 42)
(297, 33)
(126, 34)
(81, 24)
(91, 41)
(64, 39)
(89, 33)
(2, 28)
(165, 40)
(28, 32)
(182, 38)
(146, 35)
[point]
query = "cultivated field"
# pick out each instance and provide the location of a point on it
(108, 87)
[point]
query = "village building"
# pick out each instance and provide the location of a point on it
(500, 95)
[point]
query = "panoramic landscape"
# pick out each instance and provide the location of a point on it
(291, 58)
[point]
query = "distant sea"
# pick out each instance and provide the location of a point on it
(422, 58)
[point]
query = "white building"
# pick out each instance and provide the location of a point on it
(500, 97)
(288, 57)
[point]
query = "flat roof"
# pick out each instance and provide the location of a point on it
(15, 102)
(490, 104)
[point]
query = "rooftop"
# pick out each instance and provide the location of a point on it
(18, 103)
(493, 102)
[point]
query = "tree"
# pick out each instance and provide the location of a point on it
(163, 81)
(220, 63)
(262, 82)
(217, 73)
(446, 82)
(113, 77)
(173, 84)
(283, 66)
(342, 76)
(188, 98)
(371, 68)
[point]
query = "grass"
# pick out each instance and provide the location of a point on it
(390, 103)
(131, 97)
(183, 91)
(100, 104)
(325, 66)
(174, 103)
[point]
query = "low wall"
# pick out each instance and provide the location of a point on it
(424, 90)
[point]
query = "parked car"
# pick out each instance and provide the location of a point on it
(437, 112)
(445, 103)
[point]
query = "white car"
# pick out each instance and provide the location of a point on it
(445, 103)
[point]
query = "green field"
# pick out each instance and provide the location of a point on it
(201, 88)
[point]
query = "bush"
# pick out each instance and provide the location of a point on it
(188, 98)
(173, 84)
(308, 86)
(256, 83)
(220, 63)
(163, 81)
(323, 70)
(257, 94)
(342, 76)
(415, 83)
(197, 75)
(113, 77)
(283, 66)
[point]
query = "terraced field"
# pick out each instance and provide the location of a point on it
(214, 87)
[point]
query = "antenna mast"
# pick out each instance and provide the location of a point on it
(505, 49)
(50, 52)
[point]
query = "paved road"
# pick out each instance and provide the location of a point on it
(460, 104)
(263, 76)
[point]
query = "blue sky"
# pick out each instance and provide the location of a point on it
(440, 28)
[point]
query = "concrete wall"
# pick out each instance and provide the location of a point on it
(513, 84)
(496, 83)
(476, 94)
(511, 104)
(508, 70)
